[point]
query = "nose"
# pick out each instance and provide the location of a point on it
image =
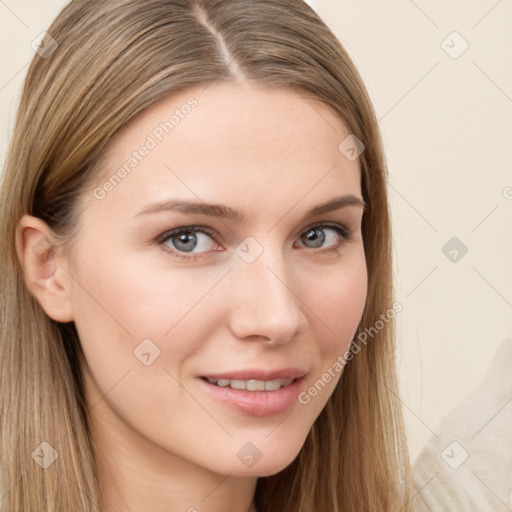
(266, 302)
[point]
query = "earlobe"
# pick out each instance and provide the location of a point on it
(46, 279)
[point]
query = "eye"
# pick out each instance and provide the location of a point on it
(315, 236)
(182, 242)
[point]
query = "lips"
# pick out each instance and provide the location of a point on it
(242, 389)
(255, 402)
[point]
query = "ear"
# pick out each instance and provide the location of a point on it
(45, 276)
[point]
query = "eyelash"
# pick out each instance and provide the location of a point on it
(164, 237)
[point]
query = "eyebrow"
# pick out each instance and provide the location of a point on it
(226, 212)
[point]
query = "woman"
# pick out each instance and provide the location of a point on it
(198, 307)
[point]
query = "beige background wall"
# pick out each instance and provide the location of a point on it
(447, 123)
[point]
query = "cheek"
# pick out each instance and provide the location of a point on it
(339, 309)
(338, 304)
(125, 309)
(130, 296)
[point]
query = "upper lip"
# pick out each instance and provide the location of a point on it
(258, 374)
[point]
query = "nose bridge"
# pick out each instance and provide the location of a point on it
(265, 302)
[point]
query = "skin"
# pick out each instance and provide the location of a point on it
(165, 443)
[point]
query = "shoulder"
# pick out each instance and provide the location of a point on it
(467, 464)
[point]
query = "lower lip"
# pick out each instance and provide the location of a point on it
(256, 403)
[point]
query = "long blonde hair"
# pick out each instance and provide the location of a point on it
(110, 60)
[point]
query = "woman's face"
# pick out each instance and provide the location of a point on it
(166, 291)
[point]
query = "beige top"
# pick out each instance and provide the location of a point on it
(467, 466)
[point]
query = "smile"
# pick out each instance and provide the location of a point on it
(251, 384)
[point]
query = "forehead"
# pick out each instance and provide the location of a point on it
(232, 143)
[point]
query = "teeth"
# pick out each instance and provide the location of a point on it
(252, 385)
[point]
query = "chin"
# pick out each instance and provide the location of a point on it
(267, 461)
